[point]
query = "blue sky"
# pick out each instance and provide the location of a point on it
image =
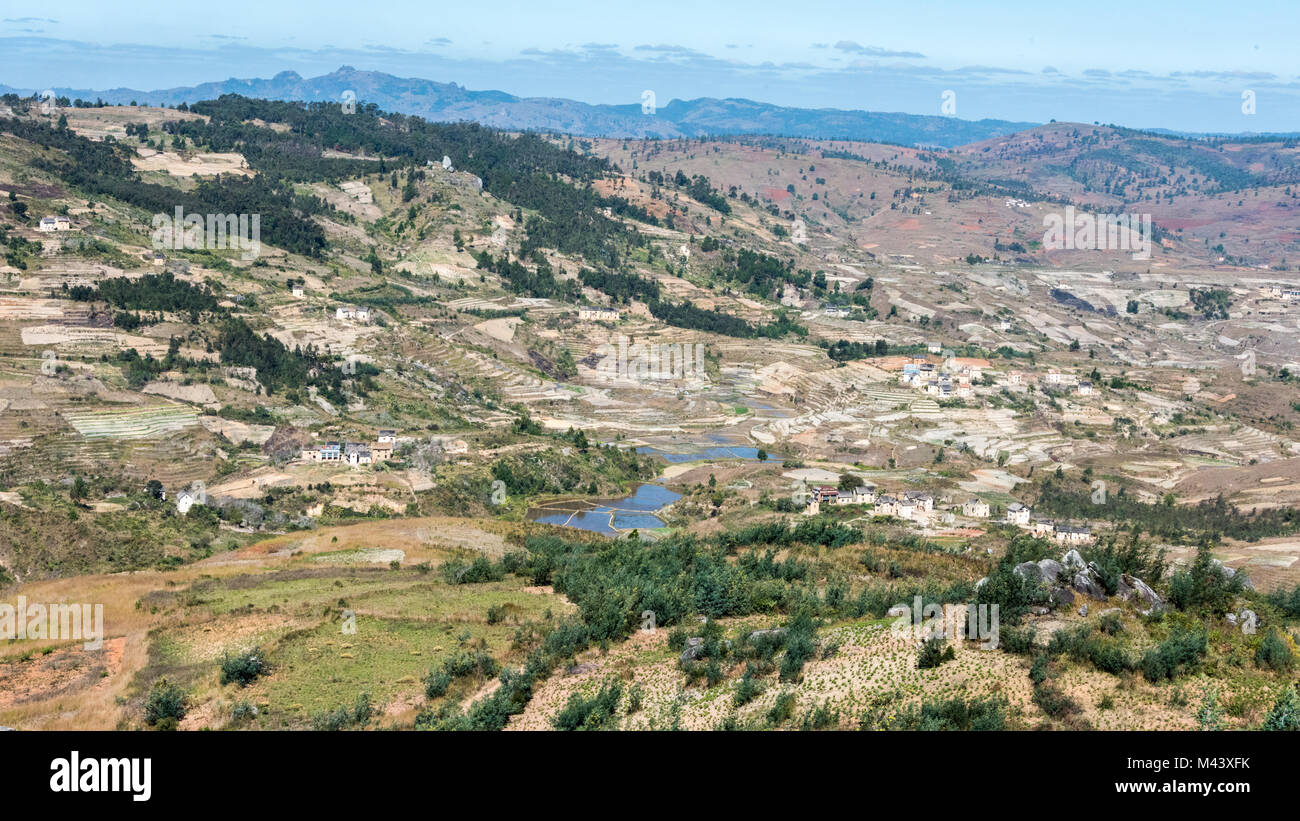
(1180, 65)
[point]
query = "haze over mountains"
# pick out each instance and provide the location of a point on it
(677, 118)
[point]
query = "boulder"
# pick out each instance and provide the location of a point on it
(1072, 560)
(1028, 570)
(1049, 569)
(1143, 592)
(1123, 590)
(1062, 596)
(1249, 620)
(1083, 611)
(1039, 611)
(775, 633)
(694, 647)
(1087, 585)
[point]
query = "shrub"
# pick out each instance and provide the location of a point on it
(1274, 653)
(934, 651)
(242, 669)
(599, 712)
(242, 713)
(1285, 714)
(955, 714)
(166, 705)
(1053, 701)
(747, 689)
(781, 710)
(1174, 656)
(1205, 586)
(343, 718)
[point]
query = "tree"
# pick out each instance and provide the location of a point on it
(762, 455)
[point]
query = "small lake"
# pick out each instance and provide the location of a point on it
(611, 517)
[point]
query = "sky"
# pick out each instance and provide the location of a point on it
(1190, 65)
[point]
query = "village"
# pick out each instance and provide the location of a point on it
(919, 507)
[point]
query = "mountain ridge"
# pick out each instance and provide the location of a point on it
(451, 102)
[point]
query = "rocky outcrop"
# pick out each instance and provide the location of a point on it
(1050, 569)
(1028, 570)
(1085, 583)
(1131, 587)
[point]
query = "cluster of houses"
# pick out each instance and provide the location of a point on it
(951, 378)
(1277, 291)
(1056, 379)
(911, 505)
(354, 454)
(358, 313)
(55, 223)
(1021, 516)
(596, 313)
(917, 505)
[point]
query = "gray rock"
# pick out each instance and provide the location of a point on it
(1087, 585)
(1028, 570)
(1050, 569)
(1083, 611)
(775, 633)
(694, 647)
(1062, 596)
(1124, 591)
(1072, 560)
(1232, 618)
(1143, 592)
(1039, 611)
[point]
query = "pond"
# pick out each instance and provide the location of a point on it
(611, 517)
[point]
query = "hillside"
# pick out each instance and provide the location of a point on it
(422, 444)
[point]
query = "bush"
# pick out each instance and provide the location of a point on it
(242, 669)
(934, 651)
(782, 710)
(747, 689)
(954, 714)
(1274, 653)
(343, 718)
(1205, 586)
(436, 683)
(600, 712)
(1053, 701)
(1178, 654)
(1285, 714)
(242, 714)
(166, 705)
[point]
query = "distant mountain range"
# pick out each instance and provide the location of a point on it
(679, 118)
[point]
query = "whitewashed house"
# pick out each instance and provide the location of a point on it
(55, 223)
(976, 509)
(1017, 514)
(596, 313)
